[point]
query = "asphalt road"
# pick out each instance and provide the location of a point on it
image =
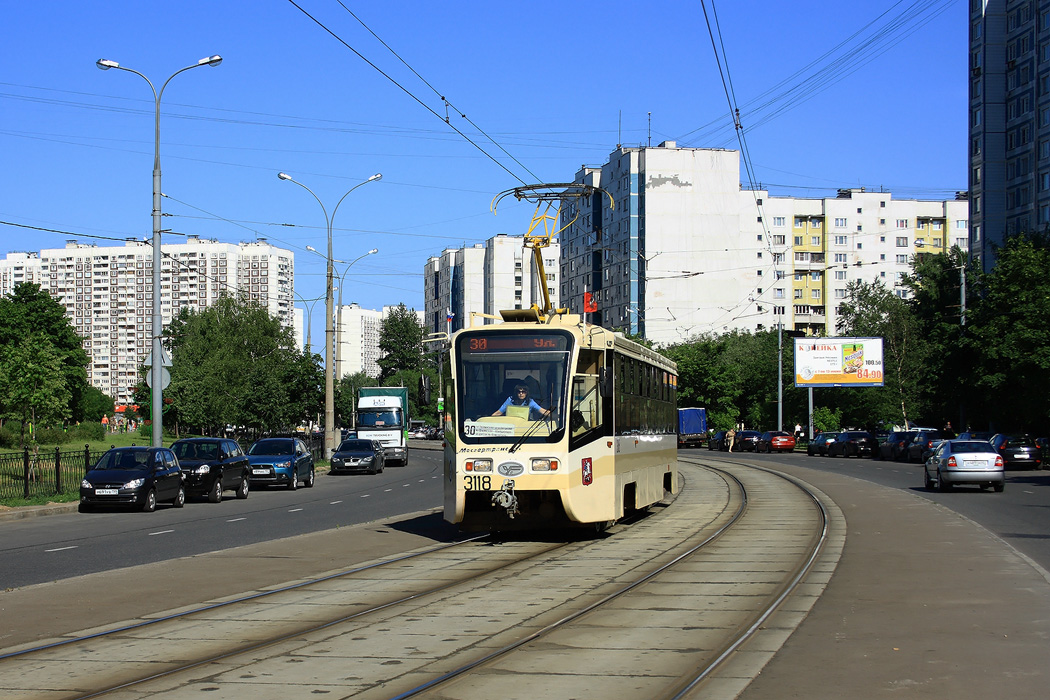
(37, 550)
(1020, 515)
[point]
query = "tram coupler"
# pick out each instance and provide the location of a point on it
(505, 498)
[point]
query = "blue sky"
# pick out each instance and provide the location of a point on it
(556, 85)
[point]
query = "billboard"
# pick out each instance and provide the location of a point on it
(838, 361)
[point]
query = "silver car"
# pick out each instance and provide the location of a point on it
(965, 462)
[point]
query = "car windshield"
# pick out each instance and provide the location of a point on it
(195, 450)
(355, 446)
(378, 418)
(272, 447)
(124, 459)
(972, 446)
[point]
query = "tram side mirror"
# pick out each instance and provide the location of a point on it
(605, 382)
(424, 390)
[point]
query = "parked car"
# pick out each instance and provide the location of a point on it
(964, 462)
(896, 445)
(776, 440)
(281, 461)
(358, 456)
(975, 435)
(420, 434)
(923, 444)
(718, 441)
(133, 476)
(211, 466)
(854, 443)
(1017, 452)
(819, 444)
(746, 440)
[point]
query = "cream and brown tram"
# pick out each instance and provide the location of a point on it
(595, 441)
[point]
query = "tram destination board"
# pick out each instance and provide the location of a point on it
(531, 342)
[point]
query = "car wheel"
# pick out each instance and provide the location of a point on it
(999, 487)
(930, 483)
(242, 490)
(215, 492)
(942, 485)
(180, 498)
(309, 482)
(293, 483)
(151, 502)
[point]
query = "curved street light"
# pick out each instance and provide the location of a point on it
(329, 370)
(157, 370)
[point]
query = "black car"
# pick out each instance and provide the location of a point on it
(746, 440)
(281, 461)
(211, 466)
(896, 445)
(923, 444)
(819, 444)
(718, 441)
(854, 443)
(1017, 452)
(133, 476)
(358, 456)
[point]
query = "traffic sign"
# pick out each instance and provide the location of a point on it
(165, 378)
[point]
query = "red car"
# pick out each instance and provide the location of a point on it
(775, 440)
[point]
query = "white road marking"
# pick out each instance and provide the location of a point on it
(61, 549)
(233, 520)
(161, 532)
(334, 503)
(295, 510)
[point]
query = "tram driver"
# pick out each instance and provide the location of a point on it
(520, 401)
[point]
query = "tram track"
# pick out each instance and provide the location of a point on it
(497, 611)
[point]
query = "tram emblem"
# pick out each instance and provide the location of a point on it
(510, 469)
(588, 475)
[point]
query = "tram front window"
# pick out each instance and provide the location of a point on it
(512, 385)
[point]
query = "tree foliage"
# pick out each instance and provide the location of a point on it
(400, 343)
(234, 364)
(32, 382)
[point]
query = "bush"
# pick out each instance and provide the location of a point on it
(87, 432)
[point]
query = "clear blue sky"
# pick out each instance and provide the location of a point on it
(556, 85)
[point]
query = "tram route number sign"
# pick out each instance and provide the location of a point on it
(486, 429)
(838, 362)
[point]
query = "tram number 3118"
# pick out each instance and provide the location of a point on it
(476, 482)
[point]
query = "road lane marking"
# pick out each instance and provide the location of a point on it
(233, 520)
(334, 503)
(61, 549)
(161, 532)
(295, 510)
(366, 495)
(387, 490)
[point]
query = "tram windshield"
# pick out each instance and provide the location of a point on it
(511, 385)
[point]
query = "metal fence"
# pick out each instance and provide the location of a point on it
(30, 474)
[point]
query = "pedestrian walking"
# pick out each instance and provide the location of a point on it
(731, 438)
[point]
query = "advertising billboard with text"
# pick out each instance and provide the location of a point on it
(838, 361)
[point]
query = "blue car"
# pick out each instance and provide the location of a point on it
(282, 461)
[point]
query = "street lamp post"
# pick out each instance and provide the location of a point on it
(339, 313)
(157, 369)
(329, 370)
(309, 304)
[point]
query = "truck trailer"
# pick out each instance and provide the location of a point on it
(692, 427)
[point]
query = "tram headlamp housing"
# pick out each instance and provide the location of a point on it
(544, 464)
(479, 465)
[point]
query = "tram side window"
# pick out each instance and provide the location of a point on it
(586, 412)
(645, 398)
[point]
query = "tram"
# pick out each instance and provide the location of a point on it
(551, 422)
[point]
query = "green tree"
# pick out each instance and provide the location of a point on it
(346, 395)
(400, 343)
(32, 382)
(94, 404)
(234, 364)
(1009, 338)
(29, 310)
(872, 310)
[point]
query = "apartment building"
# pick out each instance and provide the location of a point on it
(686, 250)
(107, 292)
(486, 278)
(1009, 121)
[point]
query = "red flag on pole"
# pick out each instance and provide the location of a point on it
(589, 305)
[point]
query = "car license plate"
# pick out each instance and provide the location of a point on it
(260, 471)
(106, 492)
(974, 463)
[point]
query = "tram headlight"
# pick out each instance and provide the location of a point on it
(544, 464)
(479, 465)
